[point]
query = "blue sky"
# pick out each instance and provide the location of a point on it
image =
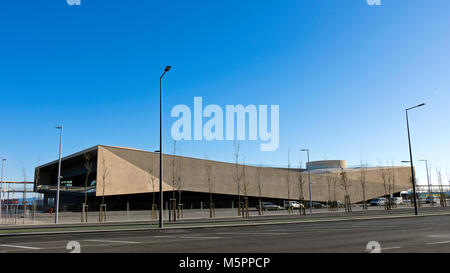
(342, 73)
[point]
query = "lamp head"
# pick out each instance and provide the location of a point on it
(168, 68)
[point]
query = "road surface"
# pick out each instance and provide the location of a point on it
(410, 234)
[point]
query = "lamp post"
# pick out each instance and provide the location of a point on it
(59, 174)
(1, 190)
(309, 180)
(413, 178)
(160, 150)
(429, 182)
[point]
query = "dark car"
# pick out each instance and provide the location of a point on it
(269, 206)
(316, 205)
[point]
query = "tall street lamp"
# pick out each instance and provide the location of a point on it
(1, 190)
(429, 182)
(413, 178)
(161, 150)
(309, 180)
(59, 174)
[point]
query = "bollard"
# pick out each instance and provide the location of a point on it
(212, 213)
(201, 209)
(102, 213)
(34, 211)
(180, 211)
(232, 208)
(84, 213)
(128, 210)
(154, 208)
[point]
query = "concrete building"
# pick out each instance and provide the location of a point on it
(129, 175)
(326, 164)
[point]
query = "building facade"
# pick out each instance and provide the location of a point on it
(125, 175)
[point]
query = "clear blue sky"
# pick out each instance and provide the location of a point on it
(342, 72)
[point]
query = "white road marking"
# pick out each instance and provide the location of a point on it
(253, 233)
(442, 242)
(111, 241)
(202, 238)
(185, 237)
(25, 247)
(385, 248)
(438, 235)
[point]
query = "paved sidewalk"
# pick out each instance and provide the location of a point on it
(9, 230)
(188, 214)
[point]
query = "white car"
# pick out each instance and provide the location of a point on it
(397, 200)
(292, 204)
(378, 201)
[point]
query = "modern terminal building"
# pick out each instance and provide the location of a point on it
(126, 175)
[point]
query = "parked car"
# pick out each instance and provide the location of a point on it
(269, 206)
(397, 200)
(316, 205)
(432, 200)
(378, 201)
(292, 204)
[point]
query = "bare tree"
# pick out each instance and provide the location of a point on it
(237, 175)
(24, 202)
(363, 175)
(179, 176)
(104, 176)
(210, 186)
(392, 185)
(330, 178)
(152, 179)
(245, 182)
(37, 176)
(174, 180)
(301, 198)
(258, 183)
(36, 195)
(345, 183)
(442, 198)
(385, 177)
(105, 173)
(335, 180)
(288, 181)
(245, 188)
(88, 166)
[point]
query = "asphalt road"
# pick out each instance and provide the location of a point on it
(412, 234)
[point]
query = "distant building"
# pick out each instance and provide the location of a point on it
(129, 175)
(326, 164)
